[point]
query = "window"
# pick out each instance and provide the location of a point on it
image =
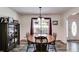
(41, 27)
(74, 28)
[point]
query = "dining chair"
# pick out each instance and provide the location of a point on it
(30, 45)
(52, 45)
(41, 43)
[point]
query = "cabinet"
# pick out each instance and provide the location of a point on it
(8, 39)
(10, 34)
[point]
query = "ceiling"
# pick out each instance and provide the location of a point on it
(44, 10)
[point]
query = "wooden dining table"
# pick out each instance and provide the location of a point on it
(41, 46)
(50, 38)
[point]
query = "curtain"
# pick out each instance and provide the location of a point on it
(50, 27)
(31, 29)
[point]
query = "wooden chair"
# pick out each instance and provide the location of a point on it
(29, 43)
(41, 43)
(53, 43)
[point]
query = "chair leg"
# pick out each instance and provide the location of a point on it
(55, 48)
(48, 47)
(30, 47)
(34, 46)
(27, 48)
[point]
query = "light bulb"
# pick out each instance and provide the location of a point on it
(38, 19)
(42, 18)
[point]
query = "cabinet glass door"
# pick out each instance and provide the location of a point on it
(10, 34)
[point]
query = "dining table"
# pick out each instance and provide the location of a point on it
(50, 38)
(41, 46)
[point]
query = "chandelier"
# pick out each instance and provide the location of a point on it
(40, 17)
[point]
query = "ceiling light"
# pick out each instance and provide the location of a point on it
(40, 17)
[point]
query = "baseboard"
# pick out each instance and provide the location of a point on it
(23, 40)
(60, 41)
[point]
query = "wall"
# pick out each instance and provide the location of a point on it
(65, 17)
(25, 25)
(7, 12)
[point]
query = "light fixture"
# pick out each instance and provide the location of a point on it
(40, 17)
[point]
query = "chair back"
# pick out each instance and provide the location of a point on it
(55, 36)
(41, 39)
(27, 35)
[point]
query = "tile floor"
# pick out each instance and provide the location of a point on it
(23, 46)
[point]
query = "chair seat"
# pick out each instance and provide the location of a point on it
(31, 45)
(51, 50)
(31, 49)
(51, 46)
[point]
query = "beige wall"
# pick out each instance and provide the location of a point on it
(65, 17)
(25, 25)
(5, 11)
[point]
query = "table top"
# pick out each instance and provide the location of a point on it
(50, 38)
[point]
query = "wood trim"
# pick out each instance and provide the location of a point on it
(43, 17)
(60, 41)
(73, 40)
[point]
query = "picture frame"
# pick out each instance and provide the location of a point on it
(55, 22)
